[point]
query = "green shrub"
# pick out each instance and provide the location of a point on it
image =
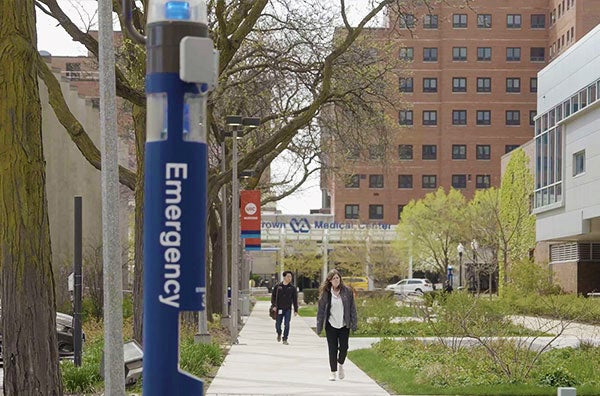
(84, 379)
(87, 378)
(197, 358)
(558, 377)
(127, 305)
(527, 277)
(311, 295)
(375, 315)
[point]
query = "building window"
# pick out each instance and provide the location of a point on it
(405, 117)
(407, 53)
(407, 21)
(579, 163)
(430, 54)
(70, 66)
(484, 117)
(459, 117)
(513, 84)
(537, 54)
(375, 212)
(549, 146)
(406, 84)
(429, 181)
(405, 151)
(484, 84)
(538, 21)
(429, 117)
(513, 117)
(405, 181)
(532, 114)
(459, 151)
(513, 21)
(459, 84)
(459, 53)
(484, 53)
(510, 147)
(533, 84)
(459, 181)
(351, 211)
(482, 181)
(459, 20)
(429, 84)
(352, 181)
(483, 152)
(429, 151)
(376, 151)
(484, 21)
(400, 209)
(513, 54)
(430, 21)
(375, 181)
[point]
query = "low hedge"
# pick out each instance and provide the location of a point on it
(311, 295)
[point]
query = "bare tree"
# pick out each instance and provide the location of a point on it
(277, 61)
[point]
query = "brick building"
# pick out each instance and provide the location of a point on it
(468, 91)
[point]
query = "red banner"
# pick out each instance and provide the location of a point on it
(250, 213)
(252, 243)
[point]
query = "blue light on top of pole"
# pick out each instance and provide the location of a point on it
(177, 10)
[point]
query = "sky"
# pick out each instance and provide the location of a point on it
(57, 42)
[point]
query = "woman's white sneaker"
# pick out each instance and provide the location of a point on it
(341, 373)
(332, 376)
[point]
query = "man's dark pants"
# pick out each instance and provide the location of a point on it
(284, 316)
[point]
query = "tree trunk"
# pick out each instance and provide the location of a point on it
(139, 122)
(214, 263)
(28, 302)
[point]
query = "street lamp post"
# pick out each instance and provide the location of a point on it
(236, 122)
(460, 249)
(224, 272)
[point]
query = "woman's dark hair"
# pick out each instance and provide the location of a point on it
(326, 285)
(287, 272)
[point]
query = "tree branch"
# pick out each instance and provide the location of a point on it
(73, 127)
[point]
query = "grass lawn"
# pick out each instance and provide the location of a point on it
(308, 311)
(406, 370)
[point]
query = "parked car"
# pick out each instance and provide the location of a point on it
(411, 286)
(356, 282)
(64, 333)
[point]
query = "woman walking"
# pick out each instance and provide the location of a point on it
(337, 313)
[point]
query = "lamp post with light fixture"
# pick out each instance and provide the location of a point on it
(460, 249)
(236, 122)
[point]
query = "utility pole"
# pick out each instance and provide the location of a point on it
(114, 364)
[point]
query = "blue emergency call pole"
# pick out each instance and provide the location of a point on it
(181, 69)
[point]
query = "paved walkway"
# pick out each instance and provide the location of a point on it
(259, 365)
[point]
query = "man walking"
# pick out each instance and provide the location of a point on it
(283, 296)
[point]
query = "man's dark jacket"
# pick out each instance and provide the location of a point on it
(285, 295)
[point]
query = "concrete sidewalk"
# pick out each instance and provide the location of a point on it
(259, 365)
